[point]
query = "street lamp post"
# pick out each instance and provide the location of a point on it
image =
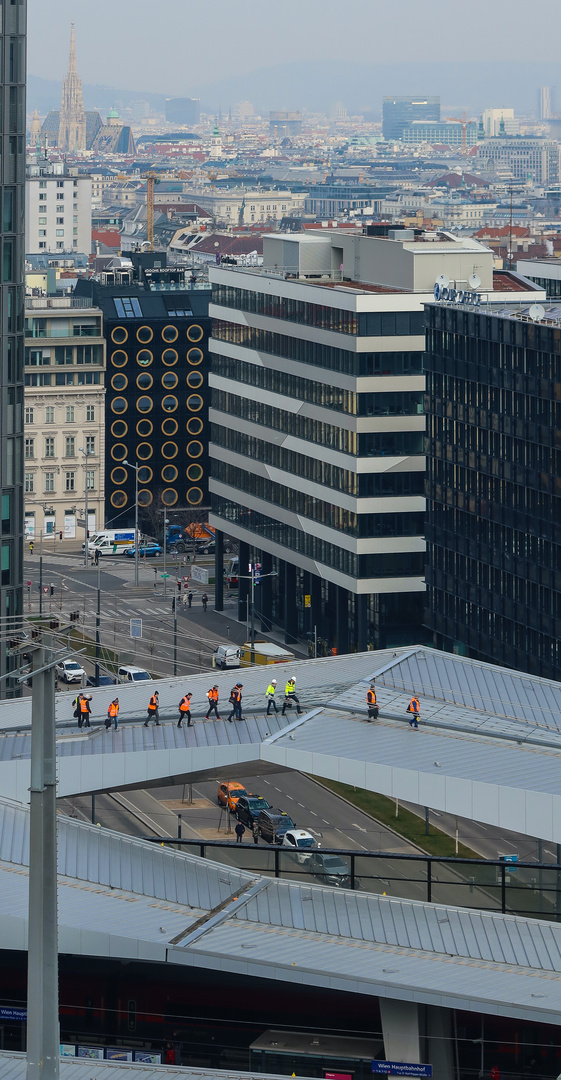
(136, 471)
(86, 523)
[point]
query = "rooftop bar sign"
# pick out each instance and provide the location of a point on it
(456, 296)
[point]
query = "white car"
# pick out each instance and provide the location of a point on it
(299, 841)
(69, 671)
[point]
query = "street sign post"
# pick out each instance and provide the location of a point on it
(136, 628)
(401, 1068)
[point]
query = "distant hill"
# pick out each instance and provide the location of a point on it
(318, 84)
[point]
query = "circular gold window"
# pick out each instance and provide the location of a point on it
(194, 357)
(169, 450)
(194, 496)
(169, 403)
(194, 402)
(119, 405)
(195, 379)
(194, 425)
(119, 452)
(119, 358)
(170, 426)
(145, 474)
(169, 380)
(169, 474)
(119, 498)
(194, 473)
(169, 496)
(194, 332)
(119, 381)
(144, 404)
(169, 357)
(144, 380)
(144, 497)
(169, 333)
(144, 428)
(119, 476)
(119, 429)
(144, 451)
(194, 448)
(119, 335)
(144, 357)
(144, 334)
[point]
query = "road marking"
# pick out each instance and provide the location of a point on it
(324, 821)
(355, 826)
(313, 812)
(288, 796)
(302, 805)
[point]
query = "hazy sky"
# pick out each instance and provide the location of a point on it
(178, 46)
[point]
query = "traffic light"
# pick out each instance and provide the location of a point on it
(179, 586)
(52, 589)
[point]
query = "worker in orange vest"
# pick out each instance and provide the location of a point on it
(414, 709)
(85, 710)
(236, 702)
(185, 710)
(371, 703)
(112, 713)
(212, 703)
(153, 706)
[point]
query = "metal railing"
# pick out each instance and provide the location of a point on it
(528, 889)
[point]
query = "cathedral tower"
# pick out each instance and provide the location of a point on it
(72, 123)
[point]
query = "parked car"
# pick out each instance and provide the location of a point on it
(330, 869)
(248, 808)
(69, 671)
(226, 656)
(127, 673)
(144, 551)
(272, 825)
(104, 680)
(228, 794)
(299, 841)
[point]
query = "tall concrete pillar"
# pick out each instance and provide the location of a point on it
(361, 628)
(400, 1028)
(243, 587)
(219, 570)
(342, 616)
(290, 609)
(440, 1044)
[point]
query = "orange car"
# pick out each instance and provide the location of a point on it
(229, 793)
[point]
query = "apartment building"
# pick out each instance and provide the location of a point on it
(64, 444)
(58, 209)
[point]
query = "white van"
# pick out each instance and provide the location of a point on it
(128, 674)
(111, 542)
(226, 656)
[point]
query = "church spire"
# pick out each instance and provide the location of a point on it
(72, 68)
(72, 120)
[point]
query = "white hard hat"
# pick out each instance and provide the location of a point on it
(274, 682)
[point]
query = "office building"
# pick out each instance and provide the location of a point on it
(184, 111)
(156, 326)
(64, 447)
(399, 113)
(545, 102)
(285, 125)
(318, 428)
(546, 273)
(439, 133)
(72, 117)
(12, 190)
(330, 200)
(494, 485)
(499, 122)
(58, 209)
(527, 158)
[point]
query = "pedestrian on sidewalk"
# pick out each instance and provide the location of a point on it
(240, 829)
(96, 556)
(31, 547)
(204, 599)
(190, 599)
(290, 697)
(255, 832)
(270, 695)
(212, 703)
(236, 702)
(153, 707)
(185, 711)
(112, 713)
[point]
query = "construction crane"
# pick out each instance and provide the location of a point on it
(464, 123)
(151, 179)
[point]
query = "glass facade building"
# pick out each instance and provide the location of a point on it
(317, 453)
(399, 113)
(493, 445)
(12, 194)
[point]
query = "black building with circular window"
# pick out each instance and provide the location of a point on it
(157, 395)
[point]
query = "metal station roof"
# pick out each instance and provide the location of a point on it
(13, 1067)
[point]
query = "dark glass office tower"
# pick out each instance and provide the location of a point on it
(12, 192)
(493, 445)
(399, 113)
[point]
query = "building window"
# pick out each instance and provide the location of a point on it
(42, 198)
(90, 414)
(70, 414)
(70, 446)
(60, 232)
(59, 197)
(29, 414)
(50, 446)
(90, 479)
(29, 485)
(42, 232)
(69, 481)
(30, 448)
(50, 414)
(49, 483)
(60, 221)
(90, 444)
(42, 221)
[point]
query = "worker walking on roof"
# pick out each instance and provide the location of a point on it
(236, 702)
(290, 697)
(371, 703)
(153, 706)
(212, 703)
(112, 713)
(270, 695)
(414, 709)
(185, 711)
(85, 711)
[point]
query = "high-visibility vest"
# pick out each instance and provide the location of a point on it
(185, 704)
(271, 690)
(236, 694)
(113, 709)
(371, 697)
(84, 705)
(153, 703)
(289, 688)
(212, 695)
(414, 705)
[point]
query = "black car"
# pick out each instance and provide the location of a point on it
(248, 808)
(330, 869)
(104, 680)
(272, 825)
